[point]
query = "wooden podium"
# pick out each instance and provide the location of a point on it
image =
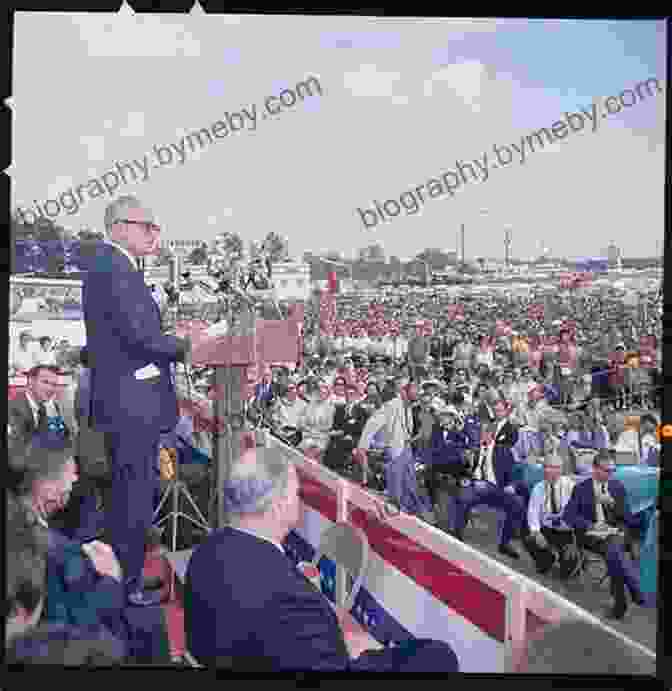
(250, 341)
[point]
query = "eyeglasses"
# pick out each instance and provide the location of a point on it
(147, 226)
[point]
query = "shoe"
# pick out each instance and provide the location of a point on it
(618, 611)
(144, 598)
(152, 583)
(508, 551)
(457, 535)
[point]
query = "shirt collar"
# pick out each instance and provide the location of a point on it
(49, 405)
(261, 537)
(125, 252)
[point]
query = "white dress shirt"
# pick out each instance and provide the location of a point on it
(50, 407)
(286, 414)
(487, 467)
(628, 442)
(600, 488)
(125, 252)
(392, 420)
(539, 512)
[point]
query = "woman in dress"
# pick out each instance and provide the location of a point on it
(317, 419)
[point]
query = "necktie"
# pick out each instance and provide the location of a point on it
(605, 508)
(41, 416)
(554, 499)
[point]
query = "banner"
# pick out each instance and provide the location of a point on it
(332, 282)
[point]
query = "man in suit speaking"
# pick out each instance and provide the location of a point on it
(247, 607)
(132, 394)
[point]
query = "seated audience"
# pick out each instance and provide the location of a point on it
(26, 570)
(84, 584)
(649, 444)
(66, 646)
(549, 535)
(349, 421)
(449, 445)
(492, 484)
(579, 647)
(599, 510)
(286, 413)
(256, 611)
(316, 420)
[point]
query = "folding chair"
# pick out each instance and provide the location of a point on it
(348, 547)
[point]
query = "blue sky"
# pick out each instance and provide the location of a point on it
(402, 101)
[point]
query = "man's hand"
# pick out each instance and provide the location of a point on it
(104, 561)
(359, 642)
(541, 541)
(359, 456)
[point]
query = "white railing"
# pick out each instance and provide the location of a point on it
(522, 593)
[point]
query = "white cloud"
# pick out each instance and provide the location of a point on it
(95, 147)
(135, 125)
(127, 35)
(466, 79)
(371, 82)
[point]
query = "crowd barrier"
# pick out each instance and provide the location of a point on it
(430, 584)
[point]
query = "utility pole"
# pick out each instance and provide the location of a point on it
(507, 247)
(462, 245)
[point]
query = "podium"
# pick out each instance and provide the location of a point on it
(249, 342)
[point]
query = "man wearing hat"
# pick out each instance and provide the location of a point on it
(549, 534)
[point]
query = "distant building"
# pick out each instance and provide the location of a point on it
(372, 253)
(182, 247)
(613, 255)
(291, 280)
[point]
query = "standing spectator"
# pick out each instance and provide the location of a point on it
(418, 352)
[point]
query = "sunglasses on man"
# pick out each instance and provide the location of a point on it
(147, 226)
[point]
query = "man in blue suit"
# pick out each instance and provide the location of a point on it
(247, 607)
(447, 453)
(132, 394)
(597, 509)
(492, 483)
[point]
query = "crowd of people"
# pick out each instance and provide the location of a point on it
(396, 394)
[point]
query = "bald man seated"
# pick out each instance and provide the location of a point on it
(246, 605)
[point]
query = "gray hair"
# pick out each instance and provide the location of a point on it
(257, 479)
(579, 647)
(116, 210)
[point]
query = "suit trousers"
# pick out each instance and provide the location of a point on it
(496, 498)
(132, 456)
(620, 569)
(401, 480)
(543, 556)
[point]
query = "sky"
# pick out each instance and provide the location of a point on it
(403, 100)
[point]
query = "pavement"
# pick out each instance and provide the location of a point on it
(639, 624)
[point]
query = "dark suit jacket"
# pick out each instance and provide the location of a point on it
(502, 459)
(123, 331)
(580, 510)
(246, 606)
(339, 448)
(20, 416)
(449, 452)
